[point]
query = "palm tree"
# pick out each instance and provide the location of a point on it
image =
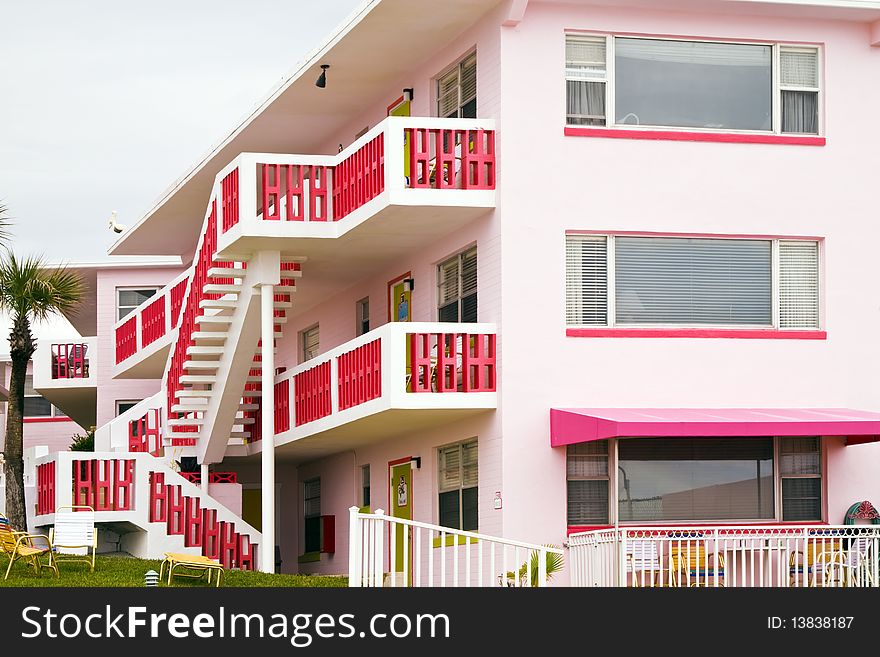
(29, 290)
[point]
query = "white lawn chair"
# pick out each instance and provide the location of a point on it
(74, 535)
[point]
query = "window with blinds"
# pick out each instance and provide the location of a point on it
(587, 483)
(35, 405)
(457, 288)
(585, 80)
(707, 85)
(799, 90)
(798, 284)
(457, 486)
(362, 316)
(692, 282)
(457, 90)
(312, 514)
(311, 341)
(800, 470)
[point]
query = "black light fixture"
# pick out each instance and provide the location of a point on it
(322, 79)
(409, 284)
(407, 94)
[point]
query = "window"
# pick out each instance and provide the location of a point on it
(312, 515)
(660, 479)
(310, 343)
(711, 85)
(127, 299)
(365, 485)
(680, 281)
(457, 90)
(457, 288)
(362, 316)
(587, 471)
(458, 486)
(123, 406)
(35, 405)
(800, 470)
(696, 480)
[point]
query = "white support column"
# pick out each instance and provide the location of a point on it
(206, 476)
(267, 556)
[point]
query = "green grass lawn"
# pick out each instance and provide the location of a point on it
(127, 571)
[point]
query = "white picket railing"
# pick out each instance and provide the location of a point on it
(742, 556)
(432, 555)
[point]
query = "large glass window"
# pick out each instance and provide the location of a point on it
(457, 90)
(679, 479)
(707, 85)
(458, 486)
(35, 405)
(678, 281)
(692, 84)
(312, 515)
(800, 469)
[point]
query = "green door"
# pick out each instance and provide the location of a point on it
(403, 109)
(401, 507)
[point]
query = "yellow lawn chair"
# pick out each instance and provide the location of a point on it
(30, 547)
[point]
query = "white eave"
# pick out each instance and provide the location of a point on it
(372, 52)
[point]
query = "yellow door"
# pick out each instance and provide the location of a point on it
(401, 507)
(402, 108)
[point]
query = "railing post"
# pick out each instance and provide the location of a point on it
(542, 568)
(394, 145)
(378, 548)
(621, 556)
(355, 544)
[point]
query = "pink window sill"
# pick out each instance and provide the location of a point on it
(57, 418)
(683, 135)
(747, 334)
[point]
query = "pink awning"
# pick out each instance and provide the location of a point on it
(578, 425)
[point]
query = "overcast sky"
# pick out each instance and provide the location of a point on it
(104, 103)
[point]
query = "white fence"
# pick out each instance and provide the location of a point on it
(431, 555)
(756, 556)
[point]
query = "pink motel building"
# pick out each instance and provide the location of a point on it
(593, 275)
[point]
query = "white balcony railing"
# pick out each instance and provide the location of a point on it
(730, 556)
(401, 365)
(69, 363)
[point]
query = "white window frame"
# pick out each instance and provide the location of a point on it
(132, 288)
(360, 306)
(456, 69)
(439, 490)
(119, 402)
(611, 284)
(775, 96)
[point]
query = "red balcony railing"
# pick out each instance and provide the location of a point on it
(282, 406)
(360, 374)
(46, 488)
(229, 197)
(294, 184)
(177, 293)
(359, 178)
(126, 339)
(452, 159)
(153, 321)
(452, 362)
(312, 394)
(103, 484)
(70, 361)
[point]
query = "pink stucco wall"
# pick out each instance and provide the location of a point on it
(636, 185)
(110, 390)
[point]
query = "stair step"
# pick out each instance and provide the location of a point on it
(239, 434)
(299, 259)
(232, 257)
(193, 393)
(244, 420)
(218, 303)
(226, 272)
(248, 407)
(216, 288)
(209, 335)
(198, 378)
(188, 408)
(205, 351)
(182, 434)
(186, 422)
(254, 379)
(215, 319)
(284, 289)
(201, 365)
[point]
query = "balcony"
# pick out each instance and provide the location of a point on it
(399, 378)
(144, 336)
(729, 556)
(65, 373)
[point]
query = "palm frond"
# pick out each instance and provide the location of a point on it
(29, 288)
(5, 224)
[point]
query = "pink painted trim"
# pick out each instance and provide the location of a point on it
(695, 37)
(569, 426)
(682, 135)
(743, 334)
(658, 233)
(46, 419)
(672, 526)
